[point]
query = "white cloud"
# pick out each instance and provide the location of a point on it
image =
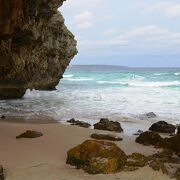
(167, 8)
(147, 39)
(84, 20)
(144, 32)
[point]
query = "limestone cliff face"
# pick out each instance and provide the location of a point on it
(35, 46)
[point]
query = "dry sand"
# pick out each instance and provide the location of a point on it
(44, 158)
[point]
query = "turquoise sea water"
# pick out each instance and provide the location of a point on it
(105, 91)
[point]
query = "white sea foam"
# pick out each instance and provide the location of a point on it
(141, 83)
(161, 74)
(68, 75)
(112, 82)
(176, 74)
(89, 100)
(79, 79)
(154, 84)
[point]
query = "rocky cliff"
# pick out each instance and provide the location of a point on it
(35, 46)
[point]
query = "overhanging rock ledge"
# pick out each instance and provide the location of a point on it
(35, 46)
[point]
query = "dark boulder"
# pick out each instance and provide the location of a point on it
(108, 137)
(79, 123)
(3, 117)
(105, 124)
(149, 138)
(152, 138)
(163, 127)
(97, 157)
(172, 143)
(71, 120)
(1, 173)
(178, 130)
(30, 134)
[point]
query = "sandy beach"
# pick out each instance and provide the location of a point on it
(45, 157)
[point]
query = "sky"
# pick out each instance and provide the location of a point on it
(136, 33)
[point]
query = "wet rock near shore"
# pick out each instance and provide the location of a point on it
(149, 138)
(163, 127)
(138, 133)
(150, 115)
(2, 177)
(30, 134)
(108, 137)
(79, 123)
(106, 124)
(3, 117)
(97, 157)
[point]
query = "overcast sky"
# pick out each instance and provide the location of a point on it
(125, 32)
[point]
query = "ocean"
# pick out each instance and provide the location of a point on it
(93, 92)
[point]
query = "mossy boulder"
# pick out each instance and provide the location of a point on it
(106, 124)
(163, 127)
(136, 160)
(97, 157)
(157, 165)
(30, 134)
(108, 137)
(149, 138)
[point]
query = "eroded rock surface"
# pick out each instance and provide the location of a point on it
(30, 134)
(105, 157)
(149, 138)
(79, 123)
(35, 46)
(106, 124)
(97, 157)
(163, 127)
(151, 115)
(108, 137)
(152, 138)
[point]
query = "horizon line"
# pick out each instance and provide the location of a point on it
(125, 66)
